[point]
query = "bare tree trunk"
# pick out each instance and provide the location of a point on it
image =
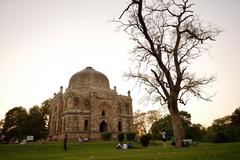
(178, 130)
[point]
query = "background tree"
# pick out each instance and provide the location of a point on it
(168, 37)
(196, 132)
(139, 122)
(235, 117)
(193, 131)
(152, 116)
(18, 123)
(15, 123)
(142, 121)
(36, 124)
(160, 125)
(225, 129)
(1, 129)
(217, 132)
(45, 110)
(1, 123)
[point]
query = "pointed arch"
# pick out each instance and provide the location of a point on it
(120, 126)
(86, 125)
(103, 127)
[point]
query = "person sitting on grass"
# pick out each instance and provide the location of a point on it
(129, 146)
(119, 146)
(124, 146)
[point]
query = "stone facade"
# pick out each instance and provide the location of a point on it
(88, 107)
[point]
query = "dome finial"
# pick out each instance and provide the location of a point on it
(61, 89)
(129, 93)
(89, 67)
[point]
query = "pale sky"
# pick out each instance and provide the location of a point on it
(44, 42)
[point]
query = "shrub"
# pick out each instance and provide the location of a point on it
(156, 136)
(145, 139)
(106, 136)
(130, 136)
(120, 137)
(220, 137)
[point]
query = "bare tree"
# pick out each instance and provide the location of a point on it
(168, 36)
(152, 116)
(139, 122)
(143, 121)
(1, 123)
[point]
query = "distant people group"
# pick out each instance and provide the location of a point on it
(82, 139)
(121, 145)
(124, 146)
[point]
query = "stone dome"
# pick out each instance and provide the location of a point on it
(89, 77)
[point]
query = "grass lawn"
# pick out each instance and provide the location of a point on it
(106, 150)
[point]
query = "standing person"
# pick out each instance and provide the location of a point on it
(173, 143)
(65, 143)
(164, 137)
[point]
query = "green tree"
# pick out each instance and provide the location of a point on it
(160, 125)
(225, 129)
(15, 123)
(192, 131)
(36, 124)
(45, 110)
(18, 122)
(168, 37)
(235, 117)
(196, 132)
(217, 131)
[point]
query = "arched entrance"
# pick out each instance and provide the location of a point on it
(103, 126)
(119, 126)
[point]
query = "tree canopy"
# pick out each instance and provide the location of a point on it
(19, 123)
(225, 129)
(14, 123)
(143, 120)
(192, 131)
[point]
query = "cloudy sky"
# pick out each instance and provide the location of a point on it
(44, 42)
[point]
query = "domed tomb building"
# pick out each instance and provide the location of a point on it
(88, 107)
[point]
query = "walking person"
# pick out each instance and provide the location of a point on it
(164, 137)
(65, 142)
